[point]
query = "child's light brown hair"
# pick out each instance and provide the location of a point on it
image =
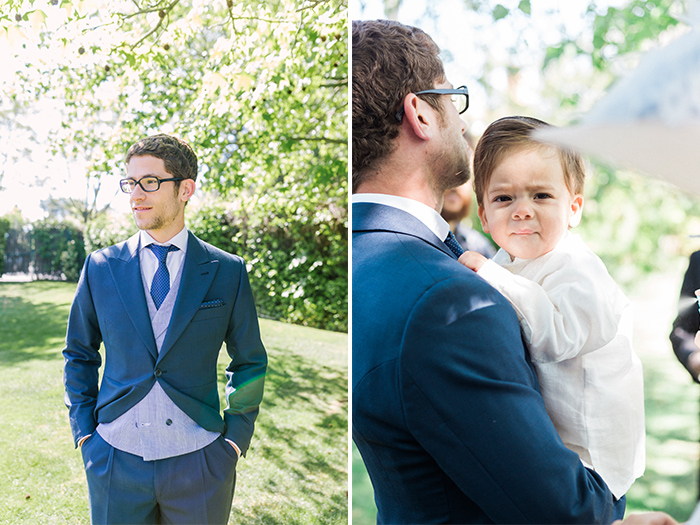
(508, 134)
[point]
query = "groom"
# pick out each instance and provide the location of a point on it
(154, 444)
(447, 412)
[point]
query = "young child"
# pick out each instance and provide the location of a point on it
(574, 318)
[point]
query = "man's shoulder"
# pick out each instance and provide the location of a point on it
(117, 250)
(216, 253)
(410, 266)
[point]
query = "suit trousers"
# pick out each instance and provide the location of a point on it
(194, 488)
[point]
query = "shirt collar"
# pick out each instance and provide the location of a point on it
(180, 240)
(424, 213)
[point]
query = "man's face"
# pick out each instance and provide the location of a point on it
(450, 161)
(159, 211)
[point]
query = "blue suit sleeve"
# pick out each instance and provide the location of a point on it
(246, 373)
(82, 360)
(471, 399)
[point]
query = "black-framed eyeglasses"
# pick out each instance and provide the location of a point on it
(460, 98)
(148, 183)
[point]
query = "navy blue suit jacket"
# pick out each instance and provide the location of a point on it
(447, 411)
(214, 305)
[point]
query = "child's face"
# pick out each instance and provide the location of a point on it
(527, 207)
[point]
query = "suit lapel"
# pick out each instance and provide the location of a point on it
(197, 275)
(379, 217)
(126, 272)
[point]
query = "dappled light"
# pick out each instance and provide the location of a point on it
(295, 470)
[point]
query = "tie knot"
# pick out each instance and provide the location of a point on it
(161, 252)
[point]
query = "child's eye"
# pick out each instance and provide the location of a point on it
(501, 198)
(543, 196)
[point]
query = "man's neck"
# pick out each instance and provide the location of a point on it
(165, 234)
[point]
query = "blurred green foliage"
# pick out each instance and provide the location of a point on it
(4, 229)
(59, 250)
(635, 224)
(297, 257)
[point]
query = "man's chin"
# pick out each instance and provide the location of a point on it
(143, 224)
(459, 178)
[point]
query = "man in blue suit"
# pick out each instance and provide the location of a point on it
(447, 411)
(155, 446)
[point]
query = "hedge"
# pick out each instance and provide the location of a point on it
(297, 262)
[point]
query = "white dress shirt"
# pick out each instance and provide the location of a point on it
(149, 262)
(578, 327)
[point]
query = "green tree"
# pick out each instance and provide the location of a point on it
(4, 229)
(260, 88)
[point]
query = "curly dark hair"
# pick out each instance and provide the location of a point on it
(177, 155)
(389, 61)
(508, 134)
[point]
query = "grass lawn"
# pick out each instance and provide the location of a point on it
(295, 471)
(670, 482)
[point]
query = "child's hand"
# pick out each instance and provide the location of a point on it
(472, 260)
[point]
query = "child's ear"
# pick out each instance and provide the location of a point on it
(482, 218)
(576, 211)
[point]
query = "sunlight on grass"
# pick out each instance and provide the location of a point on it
(296, 468)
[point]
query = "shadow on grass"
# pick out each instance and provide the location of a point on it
(29, 330)
(317, 392)
(304, 421)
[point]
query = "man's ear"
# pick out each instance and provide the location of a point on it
(419, 116)
(187, 188)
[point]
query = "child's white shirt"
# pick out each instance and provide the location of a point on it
(578, 327)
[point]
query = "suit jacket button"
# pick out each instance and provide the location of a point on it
(168, 422)
(158, 372)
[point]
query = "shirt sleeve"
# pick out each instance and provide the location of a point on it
(574, 309)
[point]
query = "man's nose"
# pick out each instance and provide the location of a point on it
(137, 194)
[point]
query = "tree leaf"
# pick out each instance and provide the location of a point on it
(525, 7)
(500, 12)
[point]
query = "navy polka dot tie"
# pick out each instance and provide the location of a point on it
(160, 286)
(453, 245)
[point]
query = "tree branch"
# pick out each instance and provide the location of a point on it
(155, 9)
(158, 9)
(339, 83)
(317, 139)
(313, 4)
